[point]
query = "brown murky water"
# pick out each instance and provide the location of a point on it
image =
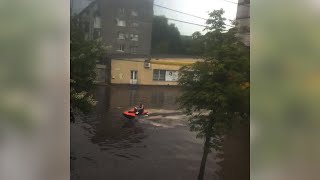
(105, 145)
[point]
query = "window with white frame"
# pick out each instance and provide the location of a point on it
(121, 47)
(121, 36)
(121, 22)
(134, 13)
(165, 75)
(97, 22)
(134, 37)
(159, 75)
(134, 75)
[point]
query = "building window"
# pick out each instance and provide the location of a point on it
(135, 24)
(165, 75)
(121, 22)
(134, 37)
(159, 75)
(133, 49)
(121, 36)
(134, 13)
(121, 47)
(97, 22)
(121, 11)
(96, 33)
(134, 75)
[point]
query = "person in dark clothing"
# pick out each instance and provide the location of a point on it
(140, 109)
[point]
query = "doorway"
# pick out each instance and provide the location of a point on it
(134, 77)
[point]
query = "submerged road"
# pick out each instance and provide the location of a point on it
(105, 145)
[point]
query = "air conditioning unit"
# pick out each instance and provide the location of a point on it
(147, 65)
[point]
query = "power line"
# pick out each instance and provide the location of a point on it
(230, 1)
(185, 14)
(186, 22)
(192, 23)
(235, 3)
(179, 11)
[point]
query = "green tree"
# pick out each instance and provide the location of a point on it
(165, 37)
(193, 45)
(216, 91)
(197, 43)
(83, 56)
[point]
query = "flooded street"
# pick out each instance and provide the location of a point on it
(105, 145)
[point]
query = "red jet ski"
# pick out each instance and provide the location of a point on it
(132, 114)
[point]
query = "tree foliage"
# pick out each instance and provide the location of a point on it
(216, 91)
(83, 56)
(165, 37)
(193, 45)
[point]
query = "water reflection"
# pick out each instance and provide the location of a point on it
(107, 128)
(150, 96)
(132, 93)
(158, 98)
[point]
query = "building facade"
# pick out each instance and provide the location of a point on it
(90, 19)
(243, 21)
(76, 6)
(140, 71)
(124, 26)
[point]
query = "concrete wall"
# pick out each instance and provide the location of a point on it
(243, 10)
(243, 21)
(88, 16)
(121, 70)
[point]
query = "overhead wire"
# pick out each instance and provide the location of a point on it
(186, 22)
(236, 3)
(185, 14)
(179, 11)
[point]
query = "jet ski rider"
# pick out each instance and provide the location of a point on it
(140, 109)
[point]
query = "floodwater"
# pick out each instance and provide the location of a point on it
(105, 145)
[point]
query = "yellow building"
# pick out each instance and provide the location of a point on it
(164, 71)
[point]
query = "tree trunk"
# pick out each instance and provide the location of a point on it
(204, 158)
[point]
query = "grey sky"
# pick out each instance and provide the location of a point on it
(78, 5)
(195, 7)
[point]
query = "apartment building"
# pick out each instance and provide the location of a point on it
(154, 71)
(243, 21)
(125, 26)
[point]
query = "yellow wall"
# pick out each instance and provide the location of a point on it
(121, 70)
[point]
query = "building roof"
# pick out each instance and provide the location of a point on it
(166, 56)
(130, 59)
(162, 61)
(87, 8)
(153, 56)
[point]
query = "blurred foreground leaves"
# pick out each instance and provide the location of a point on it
(285, 91)
(19, 40)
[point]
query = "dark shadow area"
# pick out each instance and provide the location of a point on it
(235, 162)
